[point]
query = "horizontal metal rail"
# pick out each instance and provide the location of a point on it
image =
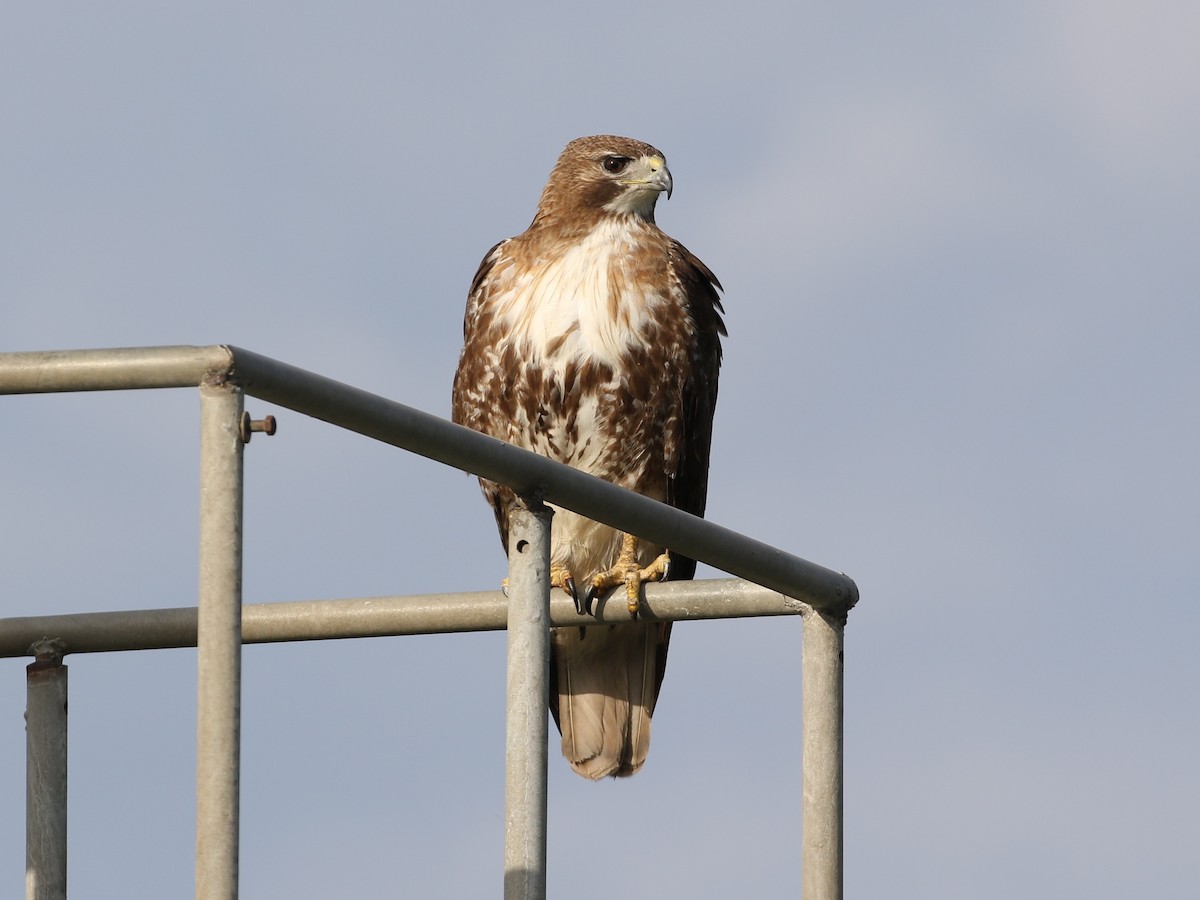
(116, 369)
(318, 620)
(402, 426)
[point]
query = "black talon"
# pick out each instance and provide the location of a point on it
(581, 605)
(588, 597)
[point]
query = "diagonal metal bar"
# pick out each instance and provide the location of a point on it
(529, 474)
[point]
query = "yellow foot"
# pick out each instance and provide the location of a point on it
(629, 573)
(560, 577)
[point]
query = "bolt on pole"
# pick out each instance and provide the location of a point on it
(46, 775)
(219, 642)
(527, 698)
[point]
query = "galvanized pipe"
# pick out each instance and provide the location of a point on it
(822, 697)
(399, 425)
(219, 642)
(527, 695)
(46, 775)
(216, 369)
(126, 368)
(319, 620)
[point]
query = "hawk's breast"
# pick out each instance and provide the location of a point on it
(578, 336)
(593, 301)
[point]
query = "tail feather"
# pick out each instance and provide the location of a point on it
(605, 685)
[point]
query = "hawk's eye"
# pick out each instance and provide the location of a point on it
(615, 164)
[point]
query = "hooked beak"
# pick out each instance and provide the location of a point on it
(653, 173)
(661, 175)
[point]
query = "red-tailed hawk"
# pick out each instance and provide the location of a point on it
(593, 338)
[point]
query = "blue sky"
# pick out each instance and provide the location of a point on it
(959, 251)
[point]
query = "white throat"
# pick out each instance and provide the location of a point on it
(587, 303)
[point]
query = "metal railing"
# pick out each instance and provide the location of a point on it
(776, 583)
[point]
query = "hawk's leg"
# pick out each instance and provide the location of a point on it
(629, 573)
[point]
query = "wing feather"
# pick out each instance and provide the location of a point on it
(688, 486)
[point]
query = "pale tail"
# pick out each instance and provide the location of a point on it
(607, 679)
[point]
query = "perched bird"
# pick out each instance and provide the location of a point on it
(593, 338)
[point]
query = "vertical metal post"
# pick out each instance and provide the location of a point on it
(46, 775)
(527, 696)
(219, 643)
(821, 858)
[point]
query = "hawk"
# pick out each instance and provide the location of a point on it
(593, 338)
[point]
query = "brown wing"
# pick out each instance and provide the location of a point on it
(470, 405)
(688, 487)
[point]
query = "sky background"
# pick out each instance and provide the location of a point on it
(959, 247)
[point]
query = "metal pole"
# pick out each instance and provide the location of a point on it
(315, 620)
(219, 643)
(46, 775)
(527, 696)
(821, 859)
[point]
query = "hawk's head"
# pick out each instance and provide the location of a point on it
(605, 174)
